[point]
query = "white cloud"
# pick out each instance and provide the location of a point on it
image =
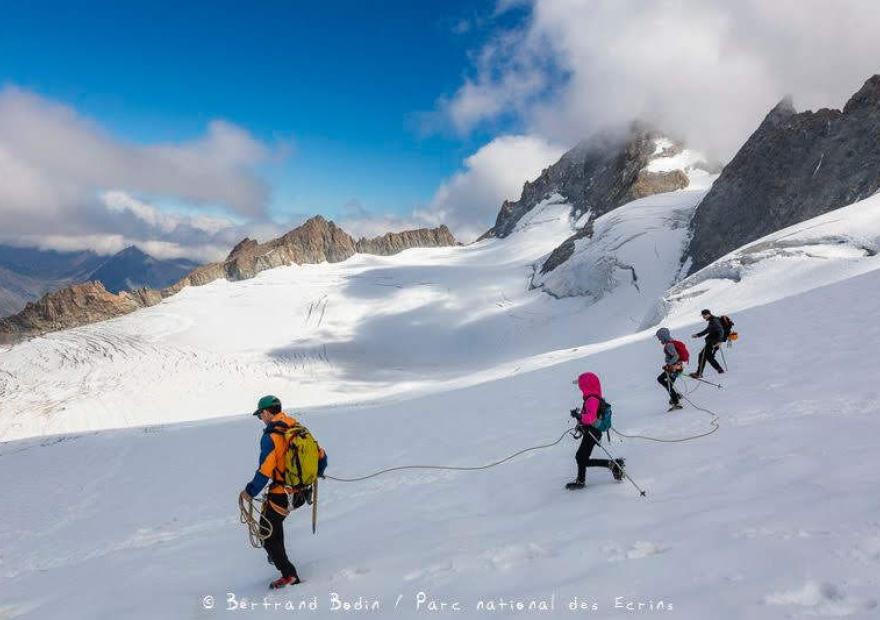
(66, 183)
(51, 156)
(707, 70)
(117, 220)
(469, 200)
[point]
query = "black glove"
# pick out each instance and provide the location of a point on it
(575, 414)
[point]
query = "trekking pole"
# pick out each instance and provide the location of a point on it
(642, 492)
(718, 385)
(723, 359)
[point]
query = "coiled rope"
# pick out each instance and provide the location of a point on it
(258, 529)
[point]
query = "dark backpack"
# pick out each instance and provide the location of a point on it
(683, 355)
(726, 325)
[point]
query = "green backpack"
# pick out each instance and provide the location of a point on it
(301, 457)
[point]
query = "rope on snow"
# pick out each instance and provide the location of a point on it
(453, 468)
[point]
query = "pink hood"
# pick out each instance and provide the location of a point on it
(590, 386)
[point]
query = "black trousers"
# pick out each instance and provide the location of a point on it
(582, 456)
(274, 544)
(708, 355)
(667, 380)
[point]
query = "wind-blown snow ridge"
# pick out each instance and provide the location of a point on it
(638, 245)
(832, 247)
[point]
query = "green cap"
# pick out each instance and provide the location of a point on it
(266, 402)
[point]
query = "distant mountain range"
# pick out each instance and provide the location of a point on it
(315, 241)
(132, 268)
(794, 167)
(26, 274)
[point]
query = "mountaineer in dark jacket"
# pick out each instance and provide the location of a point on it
(714, 334)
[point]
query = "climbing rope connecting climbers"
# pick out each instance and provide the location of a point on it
(714, 424)
(454, 468)
(260, 529)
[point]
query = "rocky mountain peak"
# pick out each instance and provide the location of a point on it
(794, 167)
(781, 112)
(131, 250)
(868, 96)
(597, 175)
(245, 245)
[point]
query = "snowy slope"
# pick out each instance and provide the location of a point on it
(773, 516)
(445, 356)
(638, 246)
(634, 251)
(826, 249)
(342, 334)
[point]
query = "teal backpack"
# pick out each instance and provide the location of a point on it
(603, 415)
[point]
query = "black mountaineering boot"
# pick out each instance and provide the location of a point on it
(617, 468)
(577, 484)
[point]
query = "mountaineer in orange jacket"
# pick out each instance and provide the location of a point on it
(271, 470)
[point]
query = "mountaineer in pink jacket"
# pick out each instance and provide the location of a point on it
(589, 418)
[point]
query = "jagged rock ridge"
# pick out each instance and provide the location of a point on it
(600, 175)
(794, 167)
(316, 241)
(597, 175)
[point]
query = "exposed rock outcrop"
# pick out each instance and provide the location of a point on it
(75, 305)
(317, 240)
(794, 167)
(392, 243)
(597, 175)
(650, 183)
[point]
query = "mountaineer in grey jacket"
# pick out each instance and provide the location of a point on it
(672, 367)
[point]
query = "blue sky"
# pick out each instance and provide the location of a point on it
(127, 122)
(344, 81)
